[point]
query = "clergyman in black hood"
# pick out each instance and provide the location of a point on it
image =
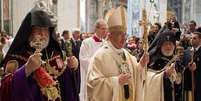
(43, 72)
(160, 54)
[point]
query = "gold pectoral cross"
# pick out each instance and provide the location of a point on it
(125, 68)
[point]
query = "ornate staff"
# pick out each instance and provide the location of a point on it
(144, 24)
(45, 81)
(145, 34)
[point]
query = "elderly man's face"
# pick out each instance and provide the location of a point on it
(39, 37)
(118, 39)
(76, 35)
(167, 48)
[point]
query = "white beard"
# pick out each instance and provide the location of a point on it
(42, 44)
(170, 53)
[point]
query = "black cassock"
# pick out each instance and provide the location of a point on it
(170, 90)
(197, 60)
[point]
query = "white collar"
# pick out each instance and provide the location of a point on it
(196, 49)
(73, 39)
(65, 39)
(119, 51)
(98, 36)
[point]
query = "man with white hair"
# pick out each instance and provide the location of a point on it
(88, 48)
(75, 48)
(76, 42)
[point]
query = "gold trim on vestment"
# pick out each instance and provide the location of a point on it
(123, 19)
(117, 28)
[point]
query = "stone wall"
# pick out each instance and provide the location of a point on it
(19, 9)
(68, 15)
(191, 11)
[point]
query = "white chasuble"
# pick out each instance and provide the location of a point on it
(88, 48)
(154, 90)
(102, 76)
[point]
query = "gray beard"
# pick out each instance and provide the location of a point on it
(168, 53)
(39, 45)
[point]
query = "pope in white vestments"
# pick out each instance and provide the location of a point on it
(114, 74)
(88, 48)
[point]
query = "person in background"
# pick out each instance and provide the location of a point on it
(76, 42)
(196, 43)
(131, 44)
(154, 31)
(87, 50)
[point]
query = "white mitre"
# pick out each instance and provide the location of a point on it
(118, 20)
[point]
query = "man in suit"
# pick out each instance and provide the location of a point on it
(64, 40)
(75, 50)
(76, 42)
(196, 43)
(71, 47)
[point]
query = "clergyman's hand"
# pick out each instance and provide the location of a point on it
(192, 66)
(72, 62)
(123, 78)
(33, 63)
(170, 70)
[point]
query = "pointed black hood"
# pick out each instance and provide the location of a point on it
(154, 50)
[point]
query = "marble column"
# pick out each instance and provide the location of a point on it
(100, 8)
(186, 11)
(78, 13)
(198, 11)
(67, 15)
(2, 24)
(192, 14)
(87, 16)
(19, 11)
(92, 14)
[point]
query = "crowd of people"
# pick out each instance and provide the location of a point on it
(106, 65)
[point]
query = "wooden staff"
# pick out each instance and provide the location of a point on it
(145, 39)
(145, 34)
